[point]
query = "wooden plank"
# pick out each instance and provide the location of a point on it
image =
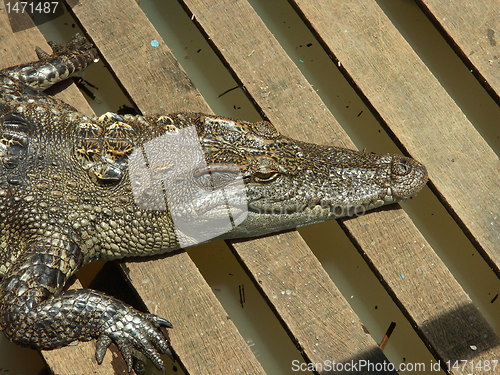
(472, 28)
(313, 321)
(204, 338)
(19, 48)
(434, 130)
(418, 111)
(291, 103)
(311, 306)
(433, 301)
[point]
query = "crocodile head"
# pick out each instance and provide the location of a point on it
(290, 183)
(215, 177)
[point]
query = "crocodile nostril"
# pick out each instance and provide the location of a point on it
(401, 167)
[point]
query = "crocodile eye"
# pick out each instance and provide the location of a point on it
(265, 176)
(401, 168)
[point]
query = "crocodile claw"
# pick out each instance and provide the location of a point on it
(133, 331)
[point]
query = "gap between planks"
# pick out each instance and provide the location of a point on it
(136, 80)
(472, 29)
(440, 296)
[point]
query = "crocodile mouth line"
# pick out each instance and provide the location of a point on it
(325, 208)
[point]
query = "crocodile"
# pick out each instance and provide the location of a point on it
(75, 189)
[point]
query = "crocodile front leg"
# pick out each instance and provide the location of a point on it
(35, 312)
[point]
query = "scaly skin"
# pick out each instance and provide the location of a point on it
(75, 189)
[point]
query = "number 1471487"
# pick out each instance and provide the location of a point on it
(32, 7)
(484, 366)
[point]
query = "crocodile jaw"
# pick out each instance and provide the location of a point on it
(396, 178)
(262, 223)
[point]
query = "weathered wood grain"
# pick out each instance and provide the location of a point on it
(282, 265)
(472, 28)
(338, 328)
(429, 124)
(293, 106)
(418, 110)
(313, 310)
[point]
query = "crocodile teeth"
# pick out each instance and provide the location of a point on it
(389, 199)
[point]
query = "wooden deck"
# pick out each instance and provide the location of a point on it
(397, 248)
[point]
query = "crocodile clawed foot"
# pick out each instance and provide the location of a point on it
(133, 331)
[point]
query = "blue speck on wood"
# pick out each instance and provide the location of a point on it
(155, 43)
